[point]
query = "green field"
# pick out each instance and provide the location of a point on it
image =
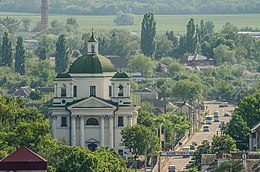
(177, 23)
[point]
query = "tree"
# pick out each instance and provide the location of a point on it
(72, 24)
(209, 26)
(239, 131)
(230, 31)
(61, 55)
(187, 90)
(222, 54)
(190, 37)
(204, 148)
(11, 23)
(123, 19)
(223, 144)
(6, 51)
(19, 57)
(231, 165)
(26, 24)
(163, 46)
(148, 33)
(141, 63)
(139, 140)
(203, 30)
(57, 27)
(145, 118)
(249, 109)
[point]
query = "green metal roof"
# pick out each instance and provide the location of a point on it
(63, 75)
(92, 63)
(120, 75)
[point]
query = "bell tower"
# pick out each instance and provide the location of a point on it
(92, 44)
(121, 89)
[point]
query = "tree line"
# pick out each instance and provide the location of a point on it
(103, 7)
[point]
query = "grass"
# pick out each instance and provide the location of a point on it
(177, 23)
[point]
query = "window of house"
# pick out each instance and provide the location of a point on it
(74, 91)
(121, 152)
(64, 121)
(63, 90)
(121, 90)
(92, 48)
(92, 121)
(110, 91)
(120, 121)
(92, 90)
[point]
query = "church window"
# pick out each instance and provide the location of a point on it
(74, 91)
(64, 121)
(92, 147)
(92, 90)
(63, 90)
(121, 90)
(120, 121)
(92, 121)
(92, 48)
(110, 91)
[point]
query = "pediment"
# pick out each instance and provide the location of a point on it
(92, 140)
(92, 102)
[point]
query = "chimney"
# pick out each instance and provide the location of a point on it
(44, 15)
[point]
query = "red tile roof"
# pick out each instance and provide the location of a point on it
(23, 159)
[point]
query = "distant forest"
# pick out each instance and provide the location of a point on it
(111, 7)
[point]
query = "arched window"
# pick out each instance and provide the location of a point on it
(63, 90)
(92, 48)
(120, 90)
(92, 121)
(92, 147)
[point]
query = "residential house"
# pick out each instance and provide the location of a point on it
(254, 138)
(23, 160)
(199, 60)
(23, 92)
(119, 62)
(250, 160)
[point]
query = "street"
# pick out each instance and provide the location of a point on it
(214, 129)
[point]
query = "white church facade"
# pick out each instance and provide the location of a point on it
(92, 103)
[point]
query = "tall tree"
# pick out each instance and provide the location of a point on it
(139, 140)
(249, 109)
(190, 37)
(148, 35)
(238, 130)
(19, 56)
(61, 55)
(209, 26)
(6, 51)
(203, 30)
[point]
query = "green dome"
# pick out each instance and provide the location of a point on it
(92, 63)
(120, 75)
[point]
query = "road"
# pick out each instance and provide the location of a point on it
(214, 129)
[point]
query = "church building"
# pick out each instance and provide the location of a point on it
(92, 103)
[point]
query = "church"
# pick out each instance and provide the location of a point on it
(92, 103)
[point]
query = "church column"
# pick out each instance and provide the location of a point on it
(82, 131)
(73, 130)
(129, 120)
(111, 133)
(102, 131)
(54, 126)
